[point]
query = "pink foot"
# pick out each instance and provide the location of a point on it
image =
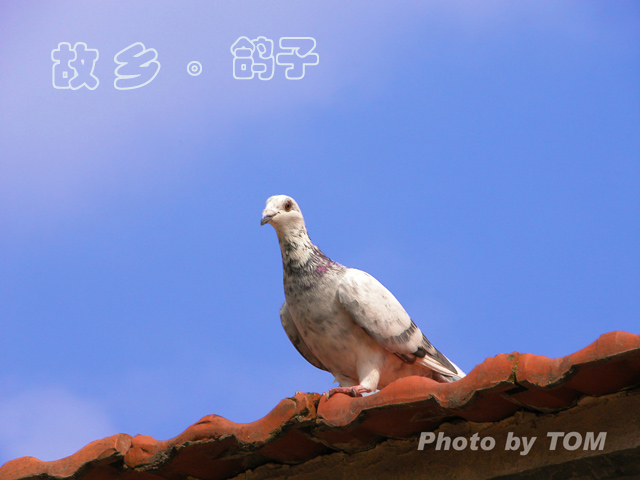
(356, 391)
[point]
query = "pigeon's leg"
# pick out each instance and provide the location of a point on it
(355, 391)
(369, 377)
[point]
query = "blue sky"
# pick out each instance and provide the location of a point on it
(481, 159)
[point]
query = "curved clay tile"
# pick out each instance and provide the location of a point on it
(307, 425)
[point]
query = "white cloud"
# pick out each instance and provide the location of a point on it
(49, 423)
(66, 152)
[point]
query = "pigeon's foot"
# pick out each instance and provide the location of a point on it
(356, 391)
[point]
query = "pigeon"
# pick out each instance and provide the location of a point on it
(343, 320)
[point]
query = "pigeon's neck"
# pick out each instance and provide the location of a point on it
(295, 245)
(300, 257)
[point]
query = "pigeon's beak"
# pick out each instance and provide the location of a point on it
(267, 215)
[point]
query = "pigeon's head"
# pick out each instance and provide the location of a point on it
(282, 212)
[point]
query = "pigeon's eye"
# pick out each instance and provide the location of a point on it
(287, 206)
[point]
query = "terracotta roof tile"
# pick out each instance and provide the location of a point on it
(307, 425)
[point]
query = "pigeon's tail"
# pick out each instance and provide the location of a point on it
(446, 378)
(442, 378)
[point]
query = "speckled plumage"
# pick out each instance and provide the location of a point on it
(343, 320)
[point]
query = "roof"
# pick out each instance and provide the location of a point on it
(308, 425)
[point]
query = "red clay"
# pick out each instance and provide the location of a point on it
(308, 425)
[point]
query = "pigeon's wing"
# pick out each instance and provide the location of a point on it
(379, 313)
(296, 339)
